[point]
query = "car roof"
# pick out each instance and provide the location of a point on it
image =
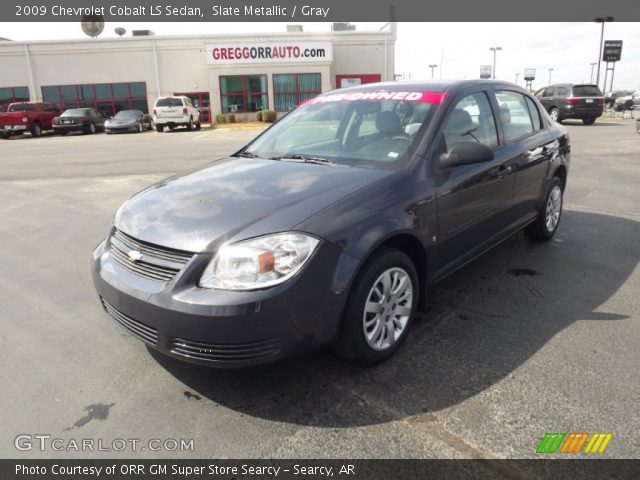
(435, 86)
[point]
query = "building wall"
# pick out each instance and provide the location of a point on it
(178, 64)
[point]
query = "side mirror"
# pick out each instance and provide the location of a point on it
(465, 153)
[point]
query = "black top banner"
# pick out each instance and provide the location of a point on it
(318, 10)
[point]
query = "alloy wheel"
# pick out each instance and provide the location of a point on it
(554, 207)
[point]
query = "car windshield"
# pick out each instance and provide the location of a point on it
(124, 114)
(22, 107)
(75, 112)
(586, 91)
(169, 102)
(375, 129)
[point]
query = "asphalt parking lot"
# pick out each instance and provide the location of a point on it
(528, 339)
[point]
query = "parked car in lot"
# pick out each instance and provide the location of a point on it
(331, 226)
(85, 120)
(584, 102)
(34, 117)
(611, 97)
(627, 102)
(174, 112)
(128, 121)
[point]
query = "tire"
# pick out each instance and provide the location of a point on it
(140, 129)
(198, 126)
(543, 229)
(151, 126)
(190, 124)
(92, 129)
(36, 130)
(159, 128)
(358, 340)
(554, 113)
(589, 121)
(4, 135)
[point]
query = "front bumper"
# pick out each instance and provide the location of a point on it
(219, 328)
(120, 128)
(70, 128)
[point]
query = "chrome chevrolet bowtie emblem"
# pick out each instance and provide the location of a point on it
(135, 255)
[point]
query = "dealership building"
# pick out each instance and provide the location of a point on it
(223, 73)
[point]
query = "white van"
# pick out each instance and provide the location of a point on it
(175, 111)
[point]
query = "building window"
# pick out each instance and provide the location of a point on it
(246, 93)
(106, 98)
(289, 90)
(11, 95)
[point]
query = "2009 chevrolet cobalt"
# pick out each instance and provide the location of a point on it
(330, 226)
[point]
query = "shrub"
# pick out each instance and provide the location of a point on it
(268, 116)
(221, 118)
(231, 117)
(259, 115)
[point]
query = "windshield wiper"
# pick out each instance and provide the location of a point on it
(247, 155)
(304, 158)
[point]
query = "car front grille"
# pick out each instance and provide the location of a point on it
(224, 352)
(155, 263)
(140, 330)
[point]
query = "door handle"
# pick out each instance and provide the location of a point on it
(504, 170)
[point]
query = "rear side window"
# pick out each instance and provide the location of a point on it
(23, 107)
(535, 114)
(563, 91)
(169, 102)
(586, 91)
(514, 115)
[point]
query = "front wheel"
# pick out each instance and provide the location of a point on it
(140, 127)
(381, 306)
(589, 121)
(36, 130)
(545, 226)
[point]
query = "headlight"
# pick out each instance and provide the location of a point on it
(258, 263)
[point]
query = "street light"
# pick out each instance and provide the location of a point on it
(517, 75)
(593, 64)
(433, 67)
(494, 50)
(550, 70)
(601, 20)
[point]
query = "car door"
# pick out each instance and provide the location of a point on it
(547, 98)
(472, 201)
(528, 145)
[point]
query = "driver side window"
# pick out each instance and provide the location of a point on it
(470, 121)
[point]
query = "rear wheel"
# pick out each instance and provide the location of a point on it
(589, 121)
(545, 226)
(554, 113)
(36, 130)
(159, 128)
(92, 128)
(380, 308)
(190, 124)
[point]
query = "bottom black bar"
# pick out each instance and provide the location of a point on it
(316, 469)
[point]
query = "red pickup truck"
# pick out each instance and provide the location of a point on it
(34, 117)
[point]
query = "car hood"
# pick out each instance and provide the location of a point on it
(236, 198)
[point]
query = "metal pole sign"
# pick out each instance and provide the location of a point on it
(485, 71)
(529, 74)
(612, 51)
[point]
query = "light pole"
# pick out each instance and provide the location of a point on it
(433, 67)
(550, 70)
(517, 75)
(593, 64)
(601, 20)
(494, 50)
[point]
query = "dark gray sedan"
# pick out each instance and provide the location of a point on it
(129, 121)
(331, 226)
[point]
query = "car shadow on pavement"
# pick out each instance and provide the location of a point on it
(483, 323)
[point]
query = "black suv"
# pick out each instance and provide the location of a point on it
(563, 101)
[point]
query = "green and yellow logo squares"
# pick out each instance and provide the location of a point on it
(574, 443)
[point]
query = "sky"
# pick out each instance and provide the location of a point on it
(457, 48)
